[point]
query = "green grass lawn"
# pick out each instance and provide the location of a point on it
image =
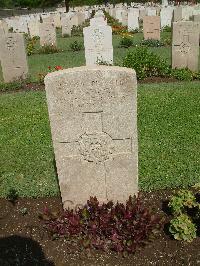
(168, 125)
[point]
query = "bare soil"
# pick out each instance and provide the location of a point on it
(23, 240)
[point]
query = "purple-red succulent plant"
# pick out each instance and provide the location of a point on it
(119, 227)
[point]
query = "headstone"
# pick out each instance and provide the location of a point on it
(178, 14)
(151, 12)
(187, 12)
(3, 28)
(66, 24)
(93, 117)
(142, 14)
(166, 16)
(185, 45)
(81, 18)
(151, 27)
(74, 19)
(133, 19)
(164, 3)
(98, 42)
(119, 14)
(124, 18)
(13, 57)
(47, 34)
(57, 20)
(33, 27)
(196, 18)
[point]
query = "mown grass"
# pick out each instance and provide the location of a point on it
(168, 126)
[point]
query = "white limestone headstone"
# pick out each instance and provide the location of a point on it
(185, 45)
(93, 117)
(133, 19)
(13, 57)
(47, 34)
(98, 42)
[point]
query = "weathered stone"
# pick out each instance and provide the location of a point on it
(142, 14)
(66, 24)
(47, 34)
(124, 18)
(118, 14)
(196, 18)
(3, 28)
(178, 14)
(151, 27)
(74, 19)
(93, 116)
(133, 19)
(185, 45)
(13, 57)
(98, 42)
(164, 3)
(166, 16)
(151, 12)
(81, 18)
(57, 20)
(33, 27)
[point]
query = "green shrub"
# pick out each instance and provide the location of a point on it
(12, 195)
(167, 29)
(126, 42)
(30, 47)
(78, 30)
(182, 228)
(146, 64)
(65, 35)
(151, 43)
(48, 49)
(186, 211)
(184, 198)
(167, 41)
(183, 74)
(75, 46)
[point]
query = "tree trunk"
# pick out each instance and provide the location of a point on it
(67, 5)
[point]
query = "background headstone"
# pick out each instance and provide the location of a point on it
(98, 42)
(151, 27)
(13, 57)
(47, 34)
(185, 45)
(133, 19)
(93, 116)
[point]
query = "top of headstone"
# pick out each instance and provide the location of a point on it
(89, 68)
(99, 13)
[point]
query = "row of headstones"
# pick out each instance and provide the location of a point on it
(30, 24)
(98, 44)
(131, 16)
(127, 16)
(13, 52)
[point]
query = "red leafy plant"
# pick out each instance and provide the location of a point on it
(118, 227)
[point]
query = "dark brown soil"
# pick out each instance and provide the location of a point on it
(157, 80)
(24, 242)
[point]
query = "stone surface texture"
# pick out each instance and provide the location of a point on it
(133, 19)
(13, 57)
(98, 42)
(151, 27)
(93, 117)
(47, 32)
(185, 45)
